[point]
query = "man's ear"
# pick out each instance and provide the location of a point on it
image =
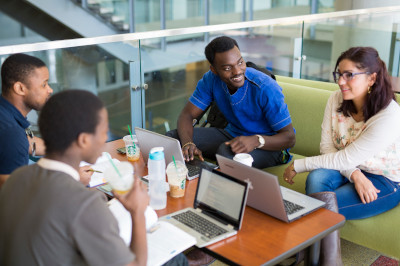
(213, 70)
(19, 88)
(83, 140)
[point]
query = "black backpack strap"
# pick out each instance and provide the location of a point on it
(261, 69)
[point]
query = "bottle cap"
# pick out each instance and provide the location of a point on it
(156, 153)
(156, 149)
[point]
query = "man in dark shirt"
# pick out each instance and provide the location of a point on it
(24, 85)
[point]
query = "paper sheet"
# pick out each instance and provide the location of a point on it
(163, 243)
(102, 163)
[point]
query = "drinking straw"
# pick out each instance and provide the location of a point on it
(173, 159)
(116, 169)
(130, 132)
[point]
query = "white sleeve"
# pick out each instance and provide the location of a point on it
(381, 130)
(326, 144)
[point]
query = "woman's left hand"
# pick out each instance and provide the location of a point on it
(364, 187)
(289, 174)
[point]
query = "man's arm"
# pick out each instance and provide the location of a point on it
(185, 131)
(3, 178)
(284, 139)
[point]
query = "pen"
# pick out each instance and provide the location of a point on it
(92, 170)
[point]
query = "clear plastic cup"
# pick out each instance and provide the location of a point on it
(120, 183)
(132, 148)
(177, 179)
(244, 158)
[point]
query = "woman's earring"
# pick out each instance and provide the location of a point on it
(369, 90)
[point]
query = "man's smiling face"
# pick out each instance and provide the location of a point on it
(230, 67)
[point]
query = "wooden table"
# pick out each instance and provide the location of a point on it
(262, 240)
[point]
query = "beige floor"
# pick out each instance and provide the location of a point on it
(352, 254)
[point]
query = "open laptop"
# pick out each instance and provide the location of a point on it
(267, 195)
(172, 147)
(218, 210)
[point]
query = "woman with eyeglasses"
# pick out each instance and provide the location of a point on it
(360, 144)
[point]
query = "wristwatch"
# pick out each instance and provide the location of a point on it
(29, 133)
(261, 140)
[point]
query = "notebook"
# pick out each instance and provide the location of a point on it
(217, 211)
(267, 195)
(172, 147)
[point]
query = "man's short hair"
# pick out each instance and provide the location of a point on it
(219, 45)
(66, 115)
(18, 67)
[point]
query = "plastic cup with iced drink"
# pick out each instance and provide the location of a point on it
(121, 181)
(132, 148)
(176, 178)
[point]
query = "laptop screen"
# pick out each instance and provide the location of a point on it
(221, 195)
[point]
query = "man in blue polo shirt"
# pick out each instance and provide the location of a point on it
(259, 122)
(24, 86)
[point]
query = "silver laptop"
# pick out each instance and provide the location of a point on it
(218, 210)
(172, 147)
(267, 195)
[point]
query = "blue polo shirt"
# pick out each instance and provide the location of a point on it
(257, 107)
(14, 145)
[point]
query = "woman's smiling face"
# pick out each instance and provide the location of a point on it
(356, 87)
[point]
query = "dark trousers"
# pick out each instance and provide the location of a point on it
(178, 260)
(211, 141)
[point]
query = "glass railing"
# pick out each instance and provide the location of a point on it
(145, 79)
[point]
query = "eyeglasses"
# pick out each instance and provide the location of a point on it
(347, 76)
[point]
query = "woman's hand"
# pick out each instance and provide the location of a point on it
(364, 187)
(289, 174)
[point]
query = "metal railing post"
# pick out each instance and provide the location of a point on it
(131, 16)
(206, 19)
(313, 10)
(163, 24)
(243, 10)
(84, 4)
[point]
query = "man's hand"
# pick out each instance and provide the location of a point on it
(243, 144)
(85, 174)
(289, 174)
(189, 150)
(136, 202)
(185, 131)
(137, 199)
(364, 187)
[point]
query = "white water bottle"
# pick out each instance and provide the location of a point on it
(157, 184)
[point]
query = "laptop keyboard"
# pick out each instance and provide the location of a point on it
(199, 224)
(291, 207)
(193, 170)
